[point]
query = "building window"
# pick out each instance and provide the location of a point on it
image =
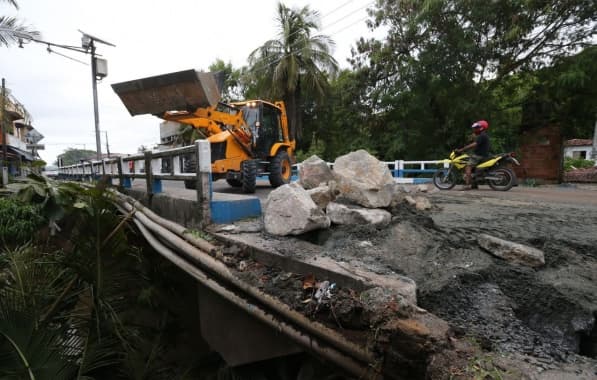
(580, 154)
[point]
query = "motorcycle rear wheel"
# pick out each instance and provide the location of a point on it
(505, 182)
(444, 179)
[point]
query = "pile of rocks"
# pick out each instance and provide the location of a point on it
(359, 190)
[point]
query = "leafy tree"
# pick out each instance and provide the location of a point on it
(338, 124)
(73, 156)
(294, 66)
(443, 65)
(231, 89)
(12, 31)
(566, 94)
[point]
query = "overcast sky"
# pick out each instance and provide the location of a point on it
(151, 38)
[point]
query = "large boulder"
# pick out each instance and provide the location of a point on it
(513, 252)
(321, 195)
(313, 172)
(364, 180)
(289, 210)
(345, 214)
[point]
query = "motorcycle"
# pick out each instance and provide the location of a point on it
(494, 171)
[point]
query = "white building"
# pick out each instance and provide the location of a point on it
(578, 148)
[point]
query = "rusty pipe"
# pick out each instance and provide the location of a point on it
(216, 266)
(338, 358)
(171, 226)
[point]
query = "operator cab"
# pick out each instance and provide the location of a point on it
(264, 121)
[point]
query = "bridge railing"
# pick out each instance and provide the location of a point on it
(406, 171)
(168, 165)
(153, 167)
(403, 170)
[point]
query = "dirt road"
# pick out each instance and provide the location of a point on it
(545, 315)
(548, 312)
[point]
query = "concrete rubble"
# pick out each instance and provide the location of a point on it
(360, 190)
(364, 180)
(313, 172)
(289, 210)
(348, 214)
(513, 252)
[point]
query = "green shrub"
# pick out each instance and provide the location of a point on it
(578, 163)
(18, 221)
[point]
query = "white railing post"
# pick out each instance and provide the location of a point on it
(203, 157)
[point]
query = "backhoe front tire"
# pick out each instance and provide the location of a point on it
(280, 169)
(248, 170)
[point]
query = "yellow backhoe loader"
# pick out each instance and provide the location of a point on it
(248, 139)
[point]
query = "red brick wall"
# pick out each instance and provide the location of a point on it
(540, 154)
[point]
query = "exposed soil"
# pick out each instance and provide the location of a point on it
(544, 317)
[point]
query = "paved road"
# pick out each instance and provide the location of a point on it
(220, 189)
(580, 195)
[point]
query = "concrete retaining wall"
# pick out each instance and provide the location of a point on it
(182, 211)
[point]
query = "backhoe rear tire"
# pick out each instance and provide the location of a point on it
(234, 182)
(280, 169)
(248, 170)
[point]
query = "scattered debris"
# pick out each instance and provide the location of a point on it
(510, 251)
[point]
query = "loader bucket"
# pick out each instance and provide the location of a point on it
(181, 91)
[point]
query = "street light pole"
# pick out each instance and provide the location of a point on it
(88, 42)
(98, 144)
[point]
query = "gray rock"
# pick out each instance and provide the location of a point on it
(513, 252)
(423, 188)
(345, 214)
(422, 203)
(313, 172)
(321, 195)
(403, 291)
(289, 210)
(364, 180)
(410, 200)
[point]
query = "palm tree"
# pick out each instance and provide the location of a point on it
(11, 31)
(295, 62)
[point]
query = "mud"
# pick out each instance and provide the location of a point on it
(546, 314)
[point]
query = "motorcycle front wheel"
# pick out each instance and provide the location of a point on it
(444, 179)
(504, 179)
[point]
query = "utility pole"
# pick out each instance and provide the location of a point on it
(99, 70)
(98, 144)
(107, 146)
(4, 142)
(3, 124)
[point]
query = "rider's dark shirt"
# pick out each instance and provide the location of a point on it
(482, 147)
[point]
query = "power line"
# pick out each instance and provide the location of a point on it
(274, 59)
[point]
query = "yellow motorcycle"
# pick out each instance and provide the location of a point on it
(494, 171)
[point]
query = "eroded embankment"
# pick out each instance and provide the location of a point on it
(547, 312)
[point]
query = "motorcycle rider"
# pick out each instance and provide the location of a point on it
(481, 152)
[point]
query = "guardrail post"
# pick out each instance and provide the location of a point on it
(119, 165)
(400, 168)
(154, 186)
(203, 170)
